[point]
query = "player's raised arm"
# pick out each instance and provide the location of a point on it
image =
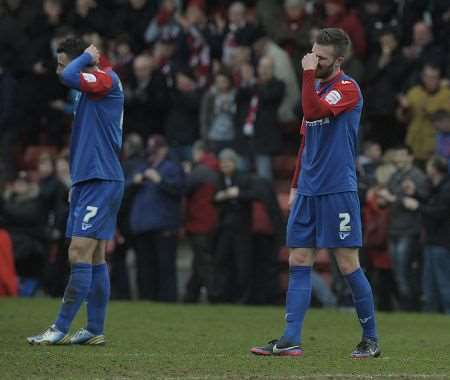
(81, 72)
(334, 103)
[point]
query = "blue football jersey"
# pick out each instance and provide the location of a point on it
(328, 160)
(98, 117)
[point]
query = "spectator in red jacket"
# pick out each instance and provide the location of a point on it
(376, 221)
(338, 16)
(201, 217)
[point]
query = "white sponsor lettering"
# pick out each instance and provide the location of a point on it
(333, 97)
(90, 78)
(317, 123)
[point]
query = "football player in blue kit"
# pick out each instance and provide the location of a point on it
(96, 193)
(324, 204)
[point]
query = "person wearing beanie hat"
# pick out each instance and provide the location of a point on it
(158, 186)
(229, 155)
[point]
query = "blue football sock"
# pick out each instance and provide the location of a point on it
(363, 301)
(98, 299)
(297, 302)
(76, 292)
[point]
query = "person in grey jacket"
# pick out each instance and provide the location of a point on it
(405, 224)
(217, 113)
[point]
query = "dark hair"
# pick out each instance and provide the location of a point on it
(439, 163)
(335, 37)
(439, 115)
(404, 147)
(224, 72)
(72, 47)
(433, 65)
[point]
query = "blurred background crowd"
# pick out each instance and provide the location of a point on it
(211, 132)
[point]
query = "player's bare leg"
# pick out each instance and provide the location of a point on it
(297, 302)
(348, 262)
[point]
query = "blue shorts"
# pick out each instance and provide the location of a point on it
(325, 221)
(94, 205)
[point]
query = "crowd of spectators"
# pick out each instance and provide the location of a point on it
(212, 106)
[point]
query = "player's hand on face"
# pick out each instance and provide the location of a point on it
(310, 61)
(95, 54)
(152, 175)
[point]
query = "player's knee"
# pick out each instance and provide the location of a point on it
(301, 258)
(79, 252)
(347, 265)
(347, 260)
(347, 268)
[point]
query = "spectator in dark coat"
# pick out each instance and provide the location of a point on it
(201, 218)
(133, 160)
(133, 19)
(237, 24)
(43, 122)
(48, 20)
(386, 72)
(259, 135)
(146, 98)
(233, 252)
(423, 49)
(155, 217)
(24, 218)
(164, 23)
(89, 15)
(435, 211)
(182, 125)
(54, 193)
(13, 41)
(268, 235)
(8, 120)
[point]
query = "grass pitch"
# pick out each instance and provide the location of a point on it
(158, 341)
